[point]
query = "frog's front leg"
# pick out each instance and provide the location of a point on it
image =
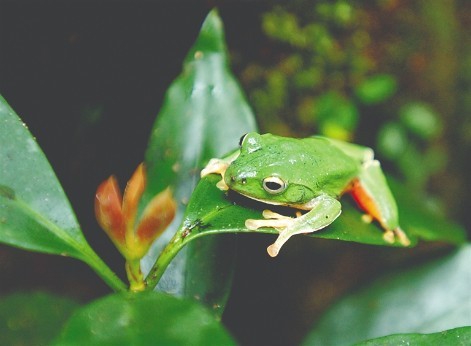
(372, 193)
(219, 166)
(325, 210)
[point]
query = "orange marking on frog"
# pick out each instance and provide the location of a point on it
(364, 200)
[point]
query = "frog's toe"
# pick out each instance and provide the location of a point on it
(271, 219)
(284, 235)
(367, 218)
(396, 234)
(278, 224)
(273, 250)
(268, 214)
(252, 224)
(216, 166)
(388, 236)
(401, 236)
(221, 185)
(285, 225)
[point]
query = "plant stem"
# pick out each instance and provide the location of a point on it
(164, 259)
(135, 277)
(105, 272)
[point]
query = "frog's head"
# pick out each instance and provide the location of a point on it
(267, 171)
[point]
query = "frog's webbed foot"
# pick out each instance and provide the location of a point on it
(325, 210)
(219, 166)
(273, 220)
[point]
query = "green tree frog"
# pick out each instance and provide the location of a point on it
(308, 174)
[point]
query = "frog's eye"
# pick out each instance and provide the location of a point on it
(241, 140)
(273, 185)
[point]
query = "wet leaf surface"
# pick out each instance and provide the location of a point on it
(150, 318)
(203, 116)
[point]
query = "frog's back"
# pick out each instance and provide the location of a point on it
(314, 163)
(329, 169)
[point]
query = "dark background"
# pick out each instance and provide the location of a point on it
(88, 79)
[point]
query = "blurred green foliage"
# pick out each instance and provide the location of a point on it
(368, 72)
(409, 141)
(321, 70)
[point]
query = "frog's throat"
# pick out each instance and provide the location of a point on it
(305, 206)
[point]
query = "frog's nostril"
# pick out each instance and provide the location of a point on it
(243, 181)
(233, 179)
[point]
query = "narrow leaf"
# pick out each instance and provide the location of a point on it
(22, 227)
(35, 214)
(27, 175)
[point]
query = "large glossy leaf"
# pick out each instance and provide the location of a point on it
(203, 116)
(35, 214)
(454, 337)
(427, 299)
(150, 318)
(32, 318)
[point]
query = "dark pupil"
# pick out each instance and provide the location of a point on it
(272, 185)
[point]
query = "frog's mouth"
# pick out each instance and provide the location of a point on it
(304, 206)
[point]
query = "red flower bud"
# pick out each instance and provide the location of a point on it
(108, 210)
(117, 216)
(156, 216)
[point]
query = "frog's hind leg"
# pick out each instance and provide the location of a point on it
(373, 195)
(358, 152)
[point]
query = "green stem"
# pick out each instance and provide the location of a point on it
(105, 272)
(175, 244)
(164, 259)
(135, 277)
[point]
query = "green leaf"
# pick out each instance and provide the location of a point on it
(211, 211)
(32, 318)
(456, 337)
(150, 318)
(203, 116)
(22, 227)
(35, 214)
(419, 221)
(30, 194)
(427, 299)
(376, 89)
